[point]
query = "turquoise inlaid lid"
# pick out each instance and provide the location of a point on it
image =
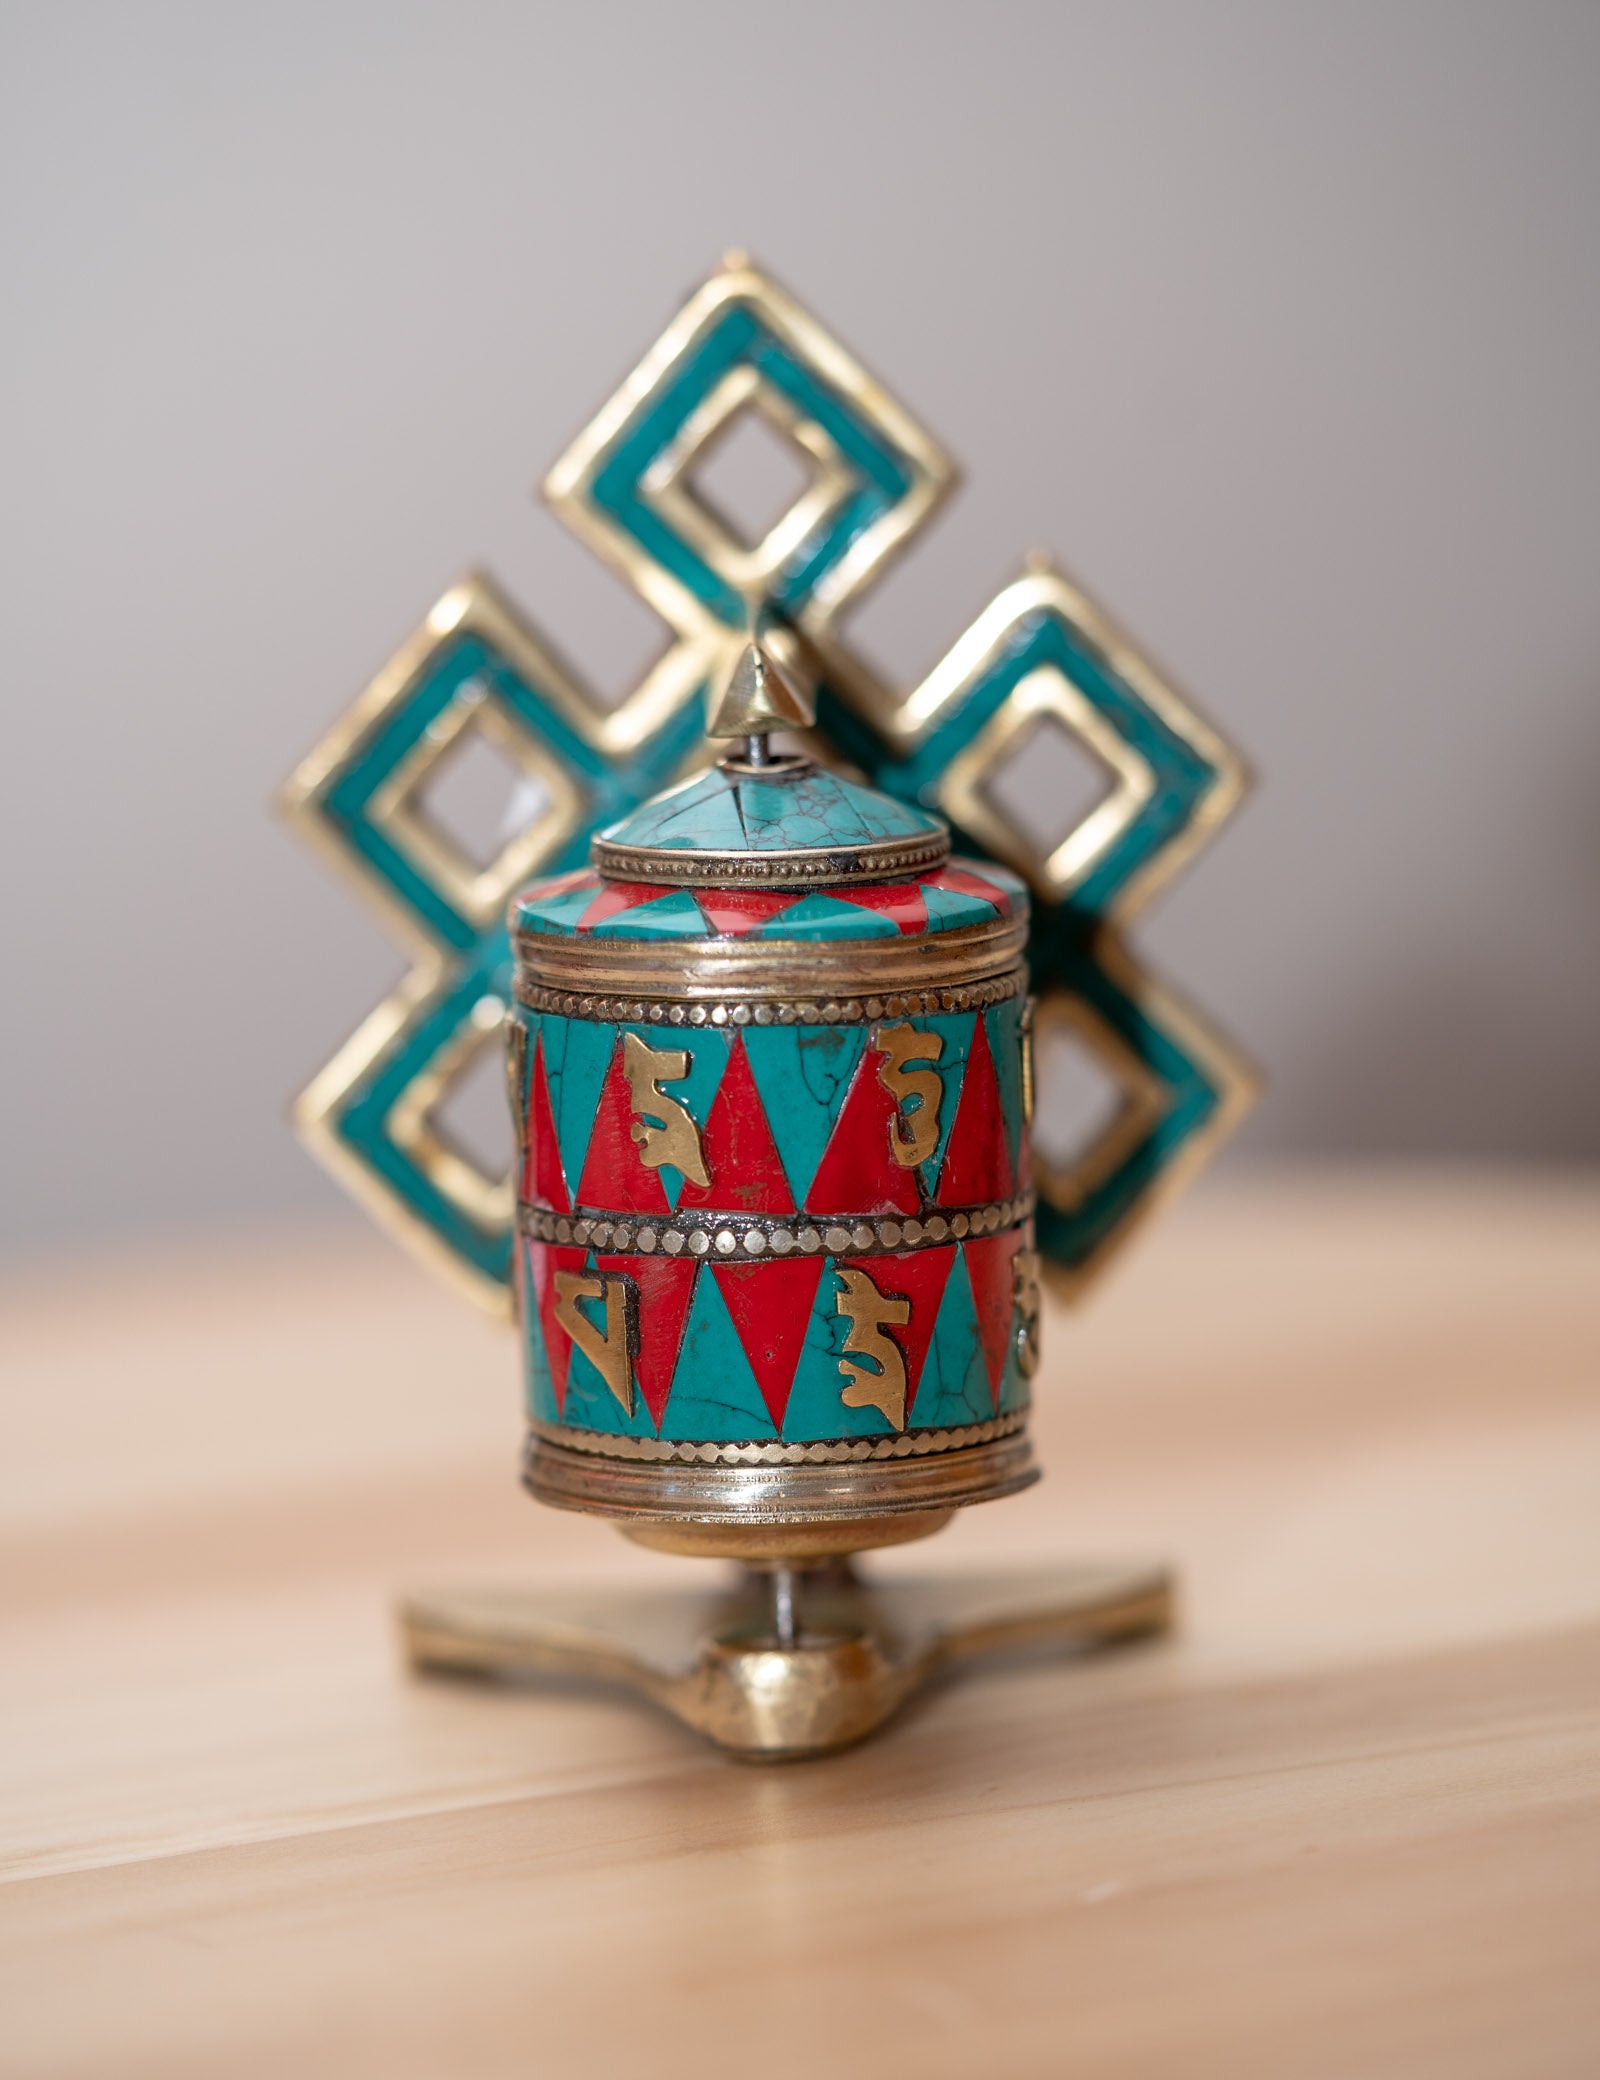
(781, 822)
(787, 807)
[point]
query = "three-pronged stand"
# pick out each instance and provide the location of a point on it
(788, 1661)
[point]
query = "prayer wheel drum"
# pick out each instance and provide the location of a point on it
(775, 1271)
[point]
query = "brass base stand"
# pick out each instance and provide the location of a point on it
(789, 1661)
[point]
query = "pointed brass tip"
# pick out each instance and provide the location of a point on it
(755, 696)
(736, 261)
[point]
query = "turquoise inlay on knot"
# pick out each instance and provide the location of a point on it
(1183, 773)
(879, 475)
(623, 487)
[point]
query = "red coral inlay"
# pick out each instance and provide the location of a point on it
(614, 1175)
(989, 1268)
(616, 896)
(543, 1182)
(665, 1287)
(977, 1167)
(900, 901)
(742, 1158)
(545, 1259)
(858, 1172)
(770, 1304)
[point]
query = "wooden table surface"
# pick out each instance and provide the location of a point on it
(1346, 1823)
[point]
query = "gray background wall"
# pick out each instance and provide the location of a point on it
(1280, 324)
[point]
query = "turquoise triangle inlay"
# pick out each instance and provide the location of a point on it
(1014, 1392)
(673, 916)
(540, 1387)
(1005, 1045)
(802, 1073)
(949, 907)
(827, 917)
(714, 1394)
(708, 1048)
(576, 1053)
(954, 1388)
(559, 912)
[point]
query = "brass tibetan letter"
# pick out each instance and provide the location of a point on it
(676, 1139)
(609, 1349)
(913, 1134)
(1025, 1286)
(870, 1313)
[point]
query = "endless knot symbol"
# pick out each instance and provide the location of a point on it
(1040, 655)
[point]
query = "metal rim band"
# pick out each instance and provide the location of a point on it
(774, 970)
(661, 1009)
(785, 1494)
(837, 1451)
(748, 1237)
(874, 859)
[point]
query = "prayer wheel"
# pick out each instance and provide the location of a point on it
(769, 1064)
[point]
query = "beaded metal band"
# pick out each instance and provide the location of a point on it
(810, 1492)
(878, 859)
(754, 1235)
(912, 1444)
(811, 1012)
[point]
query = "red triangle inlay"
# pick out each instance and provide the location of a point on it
(858, 1172)
(899, 900)
(736, 911)
(742, 1158)
(665, 1286)
(920, 1276)
(963, 881)
(545, 1259)
(977, 1166)
(771, 1304)
(989, 1261)
(543, 1182)
(615, 896)
(614, 1175)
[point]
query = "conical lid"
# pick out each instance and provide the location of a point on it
(765, 819)
(786, 823)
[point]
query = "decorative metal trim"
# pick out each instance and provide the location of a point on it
(875, 859)
(840, 1451)
(665, 1011)
(795, 968)
(840, 1491)
(744, 1237)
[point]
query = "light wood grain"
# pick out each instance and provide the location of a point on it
(1347, 1823)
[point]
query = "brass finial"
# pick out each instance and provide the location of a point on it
(755, 698)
